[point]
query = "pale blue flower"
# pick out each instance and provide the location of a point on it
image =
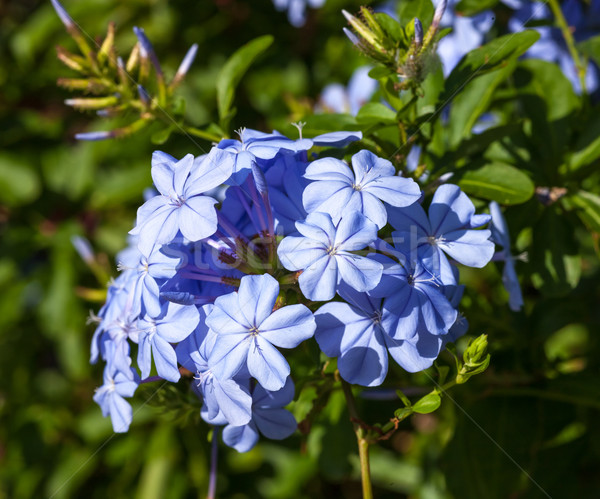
(337, 190)
(268, 417)
(324, 254)
(173, 325)
(248, 331)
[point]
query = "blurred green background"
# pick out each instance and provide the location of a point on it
(534, 413)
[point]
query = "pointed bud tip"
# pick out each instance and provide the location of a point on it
(63, 14)
(351, 36)
(187, 61)
(92, 136)
(347, 15)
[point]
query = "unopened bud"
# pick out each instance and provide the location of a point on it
(185, 65)
(92, 103)
(107, 45)
(146, 49)
(94, 136)
(63, 15)
(144, 97)
(353, 38)
(418, 33)
(363, 31)
(70, 60)
(439, 12)
(84, 249)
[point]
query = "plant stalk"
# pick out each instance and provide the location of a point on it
(363, 442)
(568, 36)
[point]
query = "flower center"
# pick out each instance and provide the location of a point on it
(376, 317)
(254, 331)
(356, 187)
(332, 250)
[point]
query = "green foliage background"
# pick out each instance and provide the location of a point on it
(528, 425)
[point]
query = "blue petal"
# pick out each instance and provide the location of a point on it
(275, 424)
(267, 365)
(415, 356)
(330, 169)
(318, 226)
(298, 253)
(178, 323)
(266, 399)
(289, 326)
(319, 280)
(257, 295)
(396, 191)
(198, 218)
(228, 355)
(241, 438)
(336, 139)
(121, 413)
(451, 209)
(328, 197)
(469, 247)
(359, 272)
(165, 359)
(354, 232)
(233, 401)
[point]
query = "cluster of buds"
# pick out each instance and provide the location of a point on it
(405, 51)
(113, 86)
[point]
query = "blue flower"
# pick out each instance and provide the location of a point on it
(339, 99)
(248, 331)
(225, 401)
(117, 384)
(359, 333)
(150, 271)
(324, 255)
(501, 236)
(253, 147)
(448, 229)
(173, 325)
(268, 417)
(415, 296)
(467, 34)
(296, 9)
(181, 205)
(336, 190)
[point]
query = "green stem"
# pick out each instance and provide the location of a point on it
(201, 133)
(363, 442)
(568, 36)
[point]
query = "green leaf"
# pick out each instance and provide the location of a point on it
(487, 58)
(472, 7)
(587, 147)
(589, 209)
(409, 9)
(233, 70)
(498, 182)
(375, 112)
(591, 48)
(472, 101)
(161, 136)
(19, 182)
(554, 255)
(428, 403)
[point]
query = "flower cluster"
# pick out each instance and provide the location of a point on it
(218, 280)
